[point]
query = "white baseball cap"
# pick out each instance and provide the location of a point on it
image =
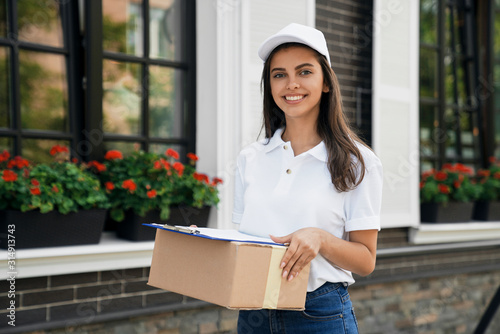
(295, 33)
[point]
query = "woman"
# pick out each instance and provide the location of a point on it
(311, 183)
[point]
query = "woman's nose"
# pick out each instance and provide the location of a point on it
(292, 84)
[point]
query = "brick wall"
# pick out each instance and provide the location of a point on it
(437, 305)
(347, 26)
(392, 296)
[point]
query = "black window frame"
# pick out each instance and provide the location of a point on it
(475, 107)
(84, 54)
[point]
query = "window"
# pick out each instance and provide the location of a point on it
(494, 121)
(96, 75)
(451, 105)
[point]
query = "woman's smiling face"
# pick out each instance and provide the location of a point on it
(297, 82)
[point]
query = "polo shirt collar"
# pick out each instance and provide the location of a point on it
(319, 151)
(274, 142)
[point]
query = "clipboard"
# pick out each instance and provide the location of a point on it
(215, 234)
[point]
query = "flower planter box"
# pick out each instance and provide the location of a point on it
(486, 211)
(131, 227)
(33, 229)
(446, 213)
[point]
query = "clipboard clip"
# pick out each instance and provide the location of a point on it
(185, 229)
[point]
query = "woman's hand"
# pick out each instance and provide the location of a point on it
(304, 245)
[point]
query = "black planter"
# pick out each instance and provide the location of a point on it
(33, 229)
(131, 227)
(486, 211)
(450, 212)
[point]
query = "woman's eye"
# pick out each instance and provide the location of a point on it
(305, 72)
(278, 75)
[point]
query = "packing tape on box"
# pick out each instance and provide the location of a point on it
(274, 278)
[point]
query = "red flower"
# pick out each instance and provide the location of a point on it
(200, 177)
(109, 185)
(58, 149)
(444, 189)
(129, 185)
(18, 162)
(113, 154)
(172, 153)
(152, 193)
(55, 189)
(35, 182)
(162, 163)
(483, 173)
(35, 191)
(97, 165)
(422, 184)
(457, 184)
(441, 176)
(492, 160)
(428, 173)
(448, 166)
(463, 169)
(4, 156)
(192, 157)
(216, 181)
(179, 168)
(74, 160)
(9, 176)
(497, 175)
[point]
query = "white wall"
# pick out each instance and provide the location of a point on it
(229, 33)
(395, 108)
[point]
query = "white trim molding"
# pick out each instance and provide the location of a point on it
(454, 232)
(395, 108)
(110, 254)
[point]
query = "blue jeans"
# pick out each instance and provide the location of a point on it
(328, 310)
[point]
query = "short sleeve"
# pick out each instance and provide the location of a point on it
(362, 205)
(239, 191)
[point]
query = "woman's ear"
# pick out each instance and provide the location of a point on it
(326, 89)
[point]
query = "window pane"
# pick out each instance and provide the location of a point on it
(450, 138)
(429, 137)
(162, 148)
(428, 21)
(165, 31)
(122, 96)
(4, 88)
(428, 73)
(38, 150)
(496, 115)
(166, 118)
(44, 91)
(40, 22)
(452, 79)
(125, 147)
(496, 36)
(6, 144)
(3, 18)
(122, 26)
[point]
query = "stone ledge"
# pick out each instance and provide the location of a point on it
(427, 233)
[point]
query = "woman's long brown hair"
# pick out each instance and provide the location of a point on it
(332, 125)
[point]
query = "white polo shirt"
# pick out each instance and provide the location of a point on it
(278, 193)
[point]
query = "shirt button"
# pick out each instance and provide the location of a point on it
(285, 147)
(288, 171)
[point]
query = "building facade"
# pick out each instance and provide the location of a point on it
(100, 75)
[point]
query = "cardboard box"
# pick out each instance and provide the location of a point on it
(234, 274)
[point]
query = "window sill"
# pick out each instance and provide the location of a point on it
(111, 253)
(427, 233)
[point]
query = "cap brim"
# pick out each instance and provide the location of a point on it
(274, 41)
